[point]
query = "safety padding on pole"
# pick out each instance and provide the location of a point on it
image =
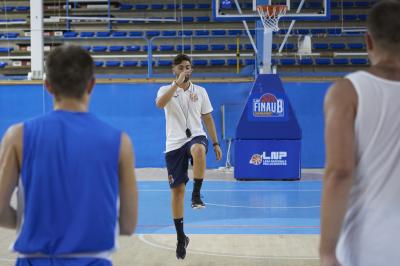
(268, 136)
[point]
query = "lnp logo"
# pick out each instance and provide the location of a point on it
(268, 106)
(256, 159)
(275, 158)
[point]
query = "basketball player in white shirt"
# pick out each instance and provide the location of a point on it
(360, 218)
(186, 106)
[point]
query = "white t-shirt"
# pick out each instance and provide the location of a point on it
(184, 111)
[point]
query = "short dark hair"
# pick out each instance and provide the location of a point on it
(181, 57)
(384, 24)
(69, 69)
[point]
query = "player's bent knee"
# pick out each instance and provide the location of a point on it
(198, 151)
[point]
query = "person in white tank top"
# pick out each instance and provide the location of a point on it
(360, 216)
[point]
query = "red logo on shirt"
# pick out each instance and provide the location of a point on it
(194, 97)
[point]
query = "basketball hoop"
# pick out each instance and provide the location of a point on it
(270, 15)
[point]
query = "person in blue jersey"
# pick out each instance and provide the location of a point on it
(74, 174)
(187, 106)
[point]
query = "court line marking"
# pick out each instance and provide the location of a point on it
(262, 207)
(7, 259)
(236, 190)
(143, 239)
(163, 226)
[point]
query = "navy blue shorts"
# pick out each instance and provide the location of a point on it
(178, 161)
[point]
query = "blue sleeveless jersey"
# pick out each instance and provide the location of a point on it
(68, 186)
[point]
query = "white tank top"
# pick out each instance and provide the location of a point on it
(371, 229)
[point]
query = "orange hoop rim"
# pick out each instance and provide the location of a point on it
(271, 9)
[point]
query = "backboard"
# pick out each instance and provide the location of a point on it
(237, 10)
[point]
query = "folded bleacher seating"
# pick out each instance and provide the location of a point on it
(289, 46)
(186, 33)
(303, 31)
(340, 61)
(217, 62)
(318, 31)
(86, 34)
(129, 63)
(188, 6)
(334, 31)
(202, 32)
(11, 35)
(235, 32)
(119, 33)
(157, 6)
(164, 63)
(305, 61)
(172, 6)
(7, 8)
(132, 48)
(136, 33)
(203, 6)
(217, 47)
(335, 17)
(347, 4)
(363, 4)
(6, 49)
(288, 61)
(22, 8)
(113, 63)
(199, 62)
(233, 47)
(200, 47)
(181, 47)
(125, 7)
(152, 33)
(218, 32)
(70, 34)
(145, 63)
(323, 61)
(248, 46)
(99, 48)
(166, 47)
(249, 61)
(141, 7)
(153, 48)
(102, 34)
(168, 33)
(203, 19)
(359, 61)
(116, 48)
(321, 46)
(349, 17)
(337, 46)
(98, 63)
(362, 17)
(355, 46)
(233, 62)
(187, 19)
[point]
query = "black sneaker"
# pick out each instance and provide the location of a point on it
(197, 203)
(181, 248)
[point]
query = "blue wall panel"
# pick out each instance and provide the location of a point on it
(131, 107)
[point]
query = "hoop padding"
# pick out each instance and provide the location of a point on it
(270, 15)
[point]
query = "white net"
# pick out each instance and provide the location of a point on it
(270, 15)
